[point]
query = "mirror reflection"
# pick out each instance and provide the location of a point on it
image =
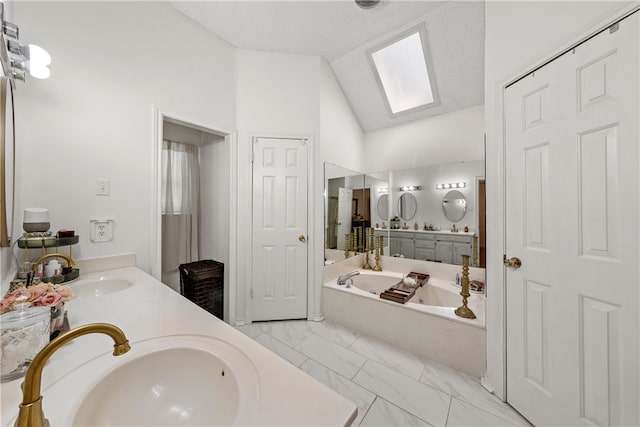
(383, 207)
(426, 231)
(454, 205)
(407, 206)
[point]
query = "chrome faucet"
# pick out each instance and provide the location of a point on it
(31, 407)
(345, 279)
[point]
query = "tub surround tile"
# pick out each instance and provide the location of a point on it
(334, 332)
(463, 414)
(333, 356)
(290, 332)
(390, 356)
(411, 395)
(341, 385)
(383, 413)
(292, 356)
(467, 388)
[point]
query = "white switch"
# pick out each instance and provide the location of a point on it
(102, 187)
(101, 230)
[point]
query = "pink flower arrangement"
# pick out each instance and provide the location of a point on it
(42, 294)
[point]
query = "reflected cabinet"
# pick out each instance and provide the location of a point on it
(430, 246)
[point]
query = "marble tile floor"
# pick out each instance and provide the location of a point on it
(390, 386)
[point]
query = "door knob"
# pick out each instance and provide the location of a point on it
(513, 262)
(302, 238)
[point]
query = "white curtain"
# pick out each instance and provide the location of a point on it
(180, 205)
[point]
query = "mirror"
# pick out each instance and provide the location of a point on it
(407, 206)
(383, 207)
(346, 206)
(7, 161)
(424, 208)
(454, 205)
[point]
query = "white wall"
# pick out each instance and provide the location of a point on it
(519, 35)
(448, 138)
(214, 211)
(278, 94)
(342, 139)
(112, 62)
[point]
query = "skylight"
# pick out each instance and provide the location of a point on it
(403, 71)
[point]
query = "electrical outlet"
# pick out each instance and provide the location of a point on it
(101, 230)
(102, 187)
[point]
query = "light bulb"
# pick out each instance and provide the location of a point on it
(39, 71)
(38, 55)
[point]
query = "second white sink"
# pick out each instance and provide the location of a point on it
(91, 288)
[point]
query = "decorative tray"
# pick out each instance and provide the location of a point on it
(402, 293)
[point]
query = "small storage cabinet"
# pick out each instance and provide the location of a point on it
(202, 282)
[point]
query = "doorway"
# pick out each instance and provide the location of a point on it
(572, 187)
(202, 229)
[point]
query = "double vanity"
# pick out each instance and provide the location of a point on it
(440, 246)
(185, 366)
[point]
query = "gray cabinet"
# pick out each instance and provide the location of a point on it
(429, 246)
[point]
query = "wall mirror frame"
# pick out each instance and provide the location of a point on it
(7, 161)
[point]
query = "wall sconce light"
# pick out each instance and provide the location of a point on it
(411, 188)
(451, 185)
(383, 190)
(17, 59)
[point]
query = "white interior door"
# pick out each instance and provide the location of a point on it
(572, 191)
(345, 203)
(279, 289)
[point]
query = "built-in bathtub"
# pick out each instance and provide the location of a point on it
(426, 324)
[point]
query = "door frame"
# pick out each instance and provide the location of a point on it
(312, 298)
(159, 115)
(496, 206)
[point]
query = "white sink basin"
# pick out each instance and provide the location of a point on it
(91, 288)
(168, 381)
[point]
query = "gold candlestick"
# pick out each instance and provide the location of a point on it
(463, 310)
(377, 267)
(367, 247)
(347, 241)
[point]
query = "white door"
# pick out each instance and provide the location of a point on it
(345, 203)
(279, 289)
(572, 191)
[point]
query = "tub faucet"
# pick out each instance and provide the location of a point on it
(345, 279)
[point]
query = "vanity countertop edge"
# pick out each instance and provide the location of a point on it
(288, 396)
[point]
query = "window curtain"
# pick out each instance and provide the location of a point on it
(180, 205)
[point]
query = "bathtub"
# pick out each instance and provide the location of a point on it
(425, 325)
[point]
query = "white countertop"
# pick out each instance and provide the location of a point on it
(150, 309)
(411, 230)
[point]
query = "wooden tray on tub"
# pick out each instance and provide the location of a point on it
(402, 293)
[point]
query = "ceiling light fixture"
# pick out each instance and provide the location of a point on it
(367, 4)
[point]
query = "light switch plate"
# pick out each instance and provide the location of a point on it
(101, 230)
(103, 187)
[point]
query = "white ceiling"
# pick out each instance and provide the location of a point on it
(341, 32)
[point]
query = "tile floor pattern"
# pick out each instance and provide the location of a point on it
(390, 386)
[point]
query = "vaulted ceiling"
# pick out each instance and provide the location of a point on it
(342, 33)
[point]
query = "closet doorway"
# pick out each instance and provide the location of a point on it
(193, 202)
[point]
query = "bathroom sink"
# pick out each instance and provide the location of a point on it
(182, 380)
(91, 288)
